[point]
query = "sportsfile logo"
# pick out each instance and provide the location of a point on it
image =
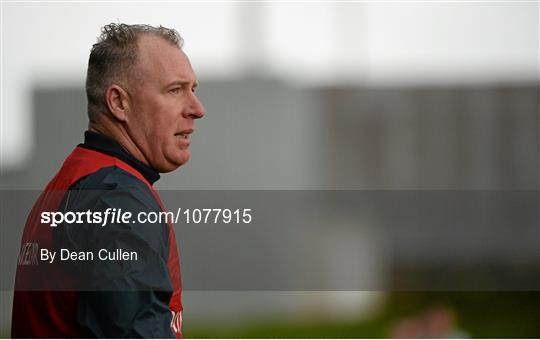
(119, 216)
(110, 215)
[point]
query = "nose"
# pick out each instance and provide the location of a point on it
(196, 108)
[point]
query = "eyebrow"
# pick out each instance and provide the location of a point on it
(183, 83)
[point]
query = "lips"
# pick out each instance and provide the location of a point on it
(184, 134)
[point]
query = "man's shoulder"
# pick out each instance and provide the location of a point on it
(115, 189)
(107, 178)
(113, 181)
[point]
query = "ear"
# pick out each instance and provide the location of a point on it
(117, 101)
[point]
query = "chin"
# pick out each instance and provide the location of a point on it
(173, 164)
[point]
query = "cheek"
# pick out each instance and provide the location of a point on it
(163, 138)
(158, 121)
(156, 126)
(141, 119)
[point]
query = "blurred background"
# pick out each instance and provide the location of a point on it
(393, 96)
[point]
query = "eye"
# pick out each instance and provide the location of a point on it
(175, 90)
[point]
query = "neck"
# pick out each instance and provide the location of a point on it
(117, 131)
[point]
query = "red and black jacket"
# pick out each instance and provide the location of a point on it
(115, 298)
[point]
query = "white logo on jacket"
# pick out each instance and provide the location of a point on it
(176, 322)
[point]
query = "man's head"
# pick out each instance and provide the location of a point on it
(141, 90)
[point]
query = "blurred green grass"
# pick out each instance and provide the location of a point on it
(478, 315)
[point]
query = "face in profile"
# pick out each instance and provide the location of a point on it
(163, 104)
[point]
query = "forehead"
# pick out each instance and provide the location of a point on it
(161, 61)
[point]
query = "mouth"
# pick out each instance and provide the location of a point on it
(184, 134)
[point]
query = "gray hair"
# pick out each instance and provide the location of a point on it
(113, 57)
